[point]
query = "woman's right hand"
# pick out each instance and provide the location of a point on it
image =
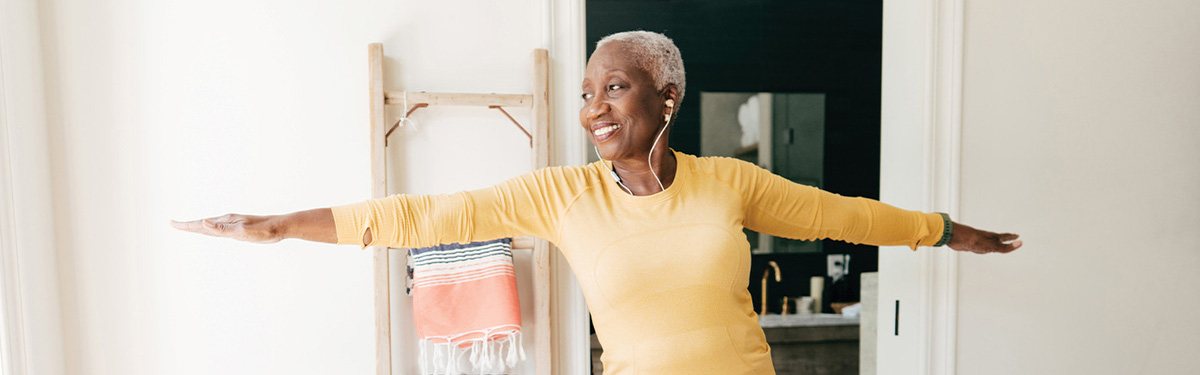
(311, 225)
(257, 229)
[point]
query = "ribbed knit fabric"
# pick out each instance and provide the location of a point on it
(664, 275)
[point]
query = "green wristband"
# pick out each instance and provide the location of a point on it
(947, 230)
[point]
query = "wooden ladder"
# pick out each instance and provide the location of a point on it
(539, 140)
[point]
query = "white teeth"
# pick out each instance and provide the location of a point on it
(606, 130)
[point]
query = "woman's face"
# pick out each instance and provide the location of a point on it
(622, 111)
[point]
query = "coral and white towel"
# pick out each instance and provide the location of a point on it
(465, 308)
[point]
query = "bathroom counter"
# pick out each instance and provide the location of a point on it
(812, 344)
(800, 344)
(806, 320)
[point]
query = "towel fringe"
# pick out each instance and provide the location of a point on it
(484, 355)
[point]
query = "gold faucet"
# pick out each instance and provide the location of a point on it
(778, 278)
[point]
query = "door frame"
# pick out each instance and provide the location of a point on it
(920, 163)
(33, 343)
(12, 337)
(566, 36)
(920, 152)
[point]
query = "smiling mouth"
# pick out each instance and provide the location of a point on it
(605, 132)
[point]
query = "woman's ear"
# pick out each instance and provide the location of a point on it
(670, 97)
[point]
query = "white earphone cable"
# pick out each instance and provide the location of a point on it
(648, 157)
(649, 161)
(611, 171)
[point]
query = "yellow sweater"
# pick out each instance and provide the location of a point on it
(664, 275)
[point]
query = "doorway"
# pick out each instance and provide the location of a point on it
(815, 48)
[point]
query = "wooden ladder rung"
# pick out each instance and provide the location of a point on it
(463, 99)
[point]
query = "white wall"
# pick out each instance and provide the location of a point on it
(1081, 121)
(27, 244)
(182, 109)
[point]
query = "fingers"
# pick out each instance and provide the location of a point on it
(191, 226)
(1012, 246)
(1006, 243)
(214, 226)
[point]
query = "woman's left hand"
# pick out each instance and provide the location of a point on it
(966, 238)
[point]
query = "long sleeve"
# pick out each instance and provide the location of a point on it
(779, 207)
(528, 205)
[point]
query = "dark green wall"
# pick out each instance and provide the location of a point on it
(822, 46)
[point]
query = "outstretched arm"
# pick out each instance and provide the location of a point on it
(311, 225)
(526, 205)
(780, 207)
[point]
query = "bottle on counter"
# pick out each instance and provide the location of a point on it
(816, 289)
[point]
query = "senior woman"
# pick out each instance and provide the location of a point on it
(654, 235)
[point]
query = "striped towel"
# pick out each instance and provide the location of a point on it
(465, 308)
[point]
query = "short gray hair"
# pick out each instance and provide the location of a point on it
(656, 54)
